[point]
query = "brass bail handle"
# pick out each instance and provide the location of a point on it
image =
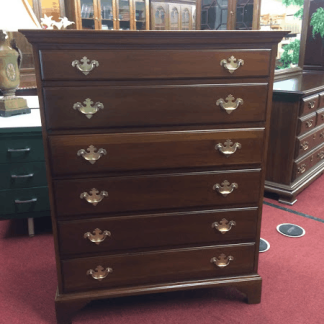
(224, 225)
(222, 261)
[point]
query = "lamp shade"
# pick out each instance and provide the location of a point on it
(17, 14)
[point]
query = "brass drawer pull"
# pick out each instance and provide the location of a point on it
(222, 261)
(309, 123)
(226, 188)
(99, 273)
(94, 198)
(302, 168)
(311, 104)
(230, 105)
(98, 236)
(321, 135)
(227, 149)
(304, 145)
(231, 64)
(88, 109)
(321, 155)
(85, 67)
(322, 116)
(92, 156)
(17, 201)
(224, 225)
(27, 149)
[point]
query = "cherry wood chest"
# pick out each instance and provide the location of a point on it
(296, 144)
(155, 145)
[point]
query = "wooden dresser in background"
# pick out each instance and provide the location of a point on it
(155, 145)
(296, 142)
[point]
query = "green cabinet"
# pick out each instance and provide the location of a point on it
(23, 184)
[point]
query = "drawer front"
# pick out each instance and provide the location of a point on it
(160, 150)
(309, 104)
(321, 100)
(307, 123)
(118, 194)
(155, 105)
(24, 200)
(152, 64)
(157, 267)
(320, 117)
(318, 155)
(21, 148)
(22, 175)
(157, 231)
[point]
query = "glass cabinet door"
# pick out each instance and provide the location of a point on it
(123, 14)
(159, 16)
(88, 14)
(244, 14)
(107, 11)
(186, 17)
(174, 16)
(141, 22)
(214, 14)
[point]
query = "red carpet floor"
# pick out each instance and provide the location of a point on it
(292, 272)
(309, 201)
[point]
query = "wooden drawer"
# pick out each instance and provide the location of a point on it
(17, 201)
(157, 231)
(318, 155)
(321, 100)
(136, 193)
(303, 165)
(309, 104)
(158, 150)
(15, 148)
(22, 175)
(320, 117)
(152, 64)
(156, 267)
(156, 105)
(306, 123)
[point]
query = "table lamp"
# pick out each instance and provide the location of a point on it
(14, 15)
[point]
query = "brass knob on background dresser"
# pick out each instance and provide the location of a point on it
(321, 155)
(226, 188)
(92, 156)
(231, 64)
(97, 237)
(224, 225)
(94, 198)
(88, 109)
(230, 105)
(227, 149)
(99, 273)
(309, 123)
(311, 104)
(302, 168)
(304, 145)
(222, 261)
(85, 67)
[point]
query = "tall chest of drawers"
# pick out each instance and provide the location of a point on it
(155, 145)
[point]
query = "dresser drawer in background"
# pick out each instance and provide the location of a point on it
(22, 175)
(15, 148)
(157, 231)
(320, 117)
(309, 104)
(321, 100)
(155, 105)
(90, 154)
(28, 200)
(139, 193)
(156, 267)
(152, 64)
(306, 123)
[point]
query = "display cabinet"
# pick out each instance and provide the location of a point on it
(109, 14)
(229, 14)
(180, 15)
